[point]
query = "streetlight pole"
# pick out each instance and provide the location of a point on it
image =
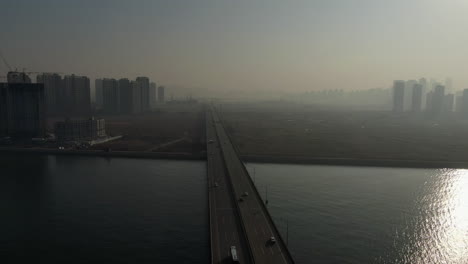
(254, 175)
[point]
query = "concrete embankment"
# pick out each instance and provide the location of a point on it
(356, 162)
(394, 163)
(98, 153)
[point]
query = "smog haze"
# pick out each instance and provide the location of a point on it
(235, 45)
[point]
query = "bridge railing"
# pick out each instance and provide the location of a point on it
(209, 191)
(244, 229)
(265, 209)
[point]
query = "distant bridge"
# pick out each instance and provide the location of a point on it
(238, 216)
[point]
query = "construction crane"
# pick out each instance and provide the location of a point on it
(4, 61)
(16, 70)
(33, 72)
(28, 73)
(44, 72)
(10, 69)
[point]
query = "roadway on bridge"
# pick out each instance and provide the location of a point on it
(255, 219)
(225, 226)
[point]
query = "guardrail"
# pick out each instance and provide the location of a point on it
(209, 194)
(265, 209)
(244, 233)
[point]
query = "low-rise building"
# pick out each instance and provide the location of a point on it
(80, 130)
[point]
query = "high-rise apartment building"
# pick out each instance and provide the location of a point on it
(152, 94)
(448, 85)
(136, 98)
(143, 85)
(18, 77)
(53, 86)
(126, 96)
(438, 99)
(76, 99)
(429, 101)
(111, 96)
(161, 98)
(98, 93)
(398, 95)
(407, 103)
(458, 101)
(22, 109)
(423, 82)
(416, 98)
(464, 104)
(449, 102)
(4, 98)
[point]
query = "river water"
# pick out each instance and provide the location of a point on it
(60, 209)
(333, 214)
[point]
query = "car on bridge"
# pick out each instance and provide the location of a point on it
(272, 240)
(234, 254)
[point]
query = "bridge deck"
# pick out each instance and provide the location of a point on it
(225, 226)
(255, 220)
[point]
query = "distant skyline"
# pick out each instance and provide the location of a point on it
(241, 45)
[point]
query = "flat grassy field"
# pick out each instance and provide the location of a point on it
(147, 131)
(304, 131)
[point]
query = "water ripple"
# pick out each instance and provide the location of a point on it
(441, 223)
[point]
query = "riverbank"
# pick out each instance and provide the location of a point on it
(99, 153)
(360, 138)
(393, 163)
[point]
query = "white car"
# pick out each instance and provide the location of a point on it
(234, 254)
(272, 240)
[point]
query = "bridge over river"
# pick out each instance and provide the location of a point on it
(244, 223)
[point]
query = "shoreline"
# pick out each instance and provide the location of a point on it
(390, 163)
(99, 153)
(299, 160)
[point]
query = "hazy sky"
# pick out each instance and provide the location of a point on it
(241, 44)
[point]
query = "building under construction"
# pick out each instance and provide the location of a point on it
(22, 107)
